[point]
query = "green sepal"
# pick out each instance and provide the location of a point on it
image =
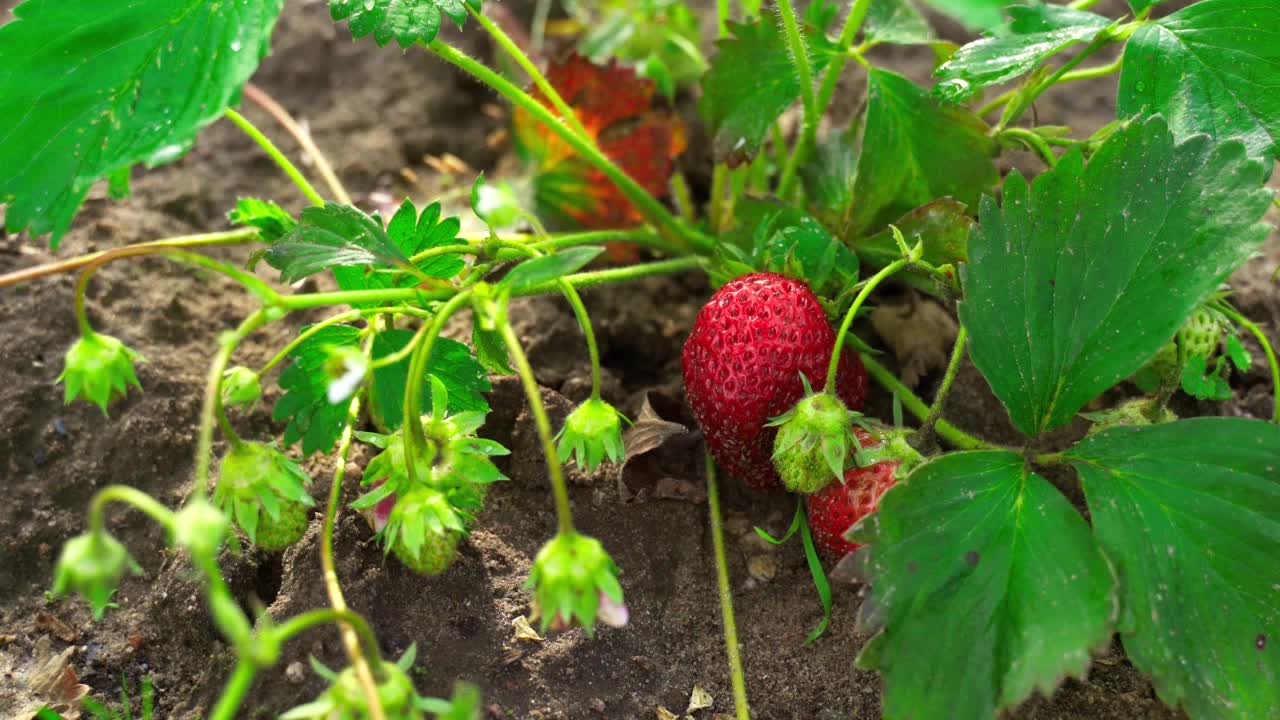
(240, 386)
(345, 698)
(814, 440)
(254, 477)
(591, 434)
(423, 530)
(92, 564)
(99, 368)
(575, 582)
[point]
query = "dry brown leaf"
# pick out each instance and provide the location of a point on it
(920, 332)
(699, 699)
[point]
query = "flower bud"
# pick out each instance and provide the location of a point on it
(92, 565)
(99, 368)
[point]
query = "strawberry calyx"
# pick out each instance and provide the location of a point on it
(575, 582)
(345, 698)
(591, 434)
(200, 527)
(424, 527)
(266, 493)
(99, 368)
(813, 441)
(92, 565)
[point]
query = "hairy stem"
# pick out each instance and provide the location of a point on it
(800, 59)
(415, 438)
(230, 237)
(303, 136)
(564, 515)
(736, 677)
(871, 284)
(957, 354)
(686, 239)
(350, 635)
(324, 616)
(278, 157)
(129, 496)
(213, 395)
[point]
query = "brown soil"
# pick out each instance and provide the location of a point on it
(378, 111)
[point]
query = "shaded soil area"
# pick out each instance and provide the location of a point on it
(378, 112)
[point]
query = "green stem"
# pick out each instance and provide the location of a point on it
(834, 364)
(414, 436)
(800, 60)
(564, 515)
(685, 238)
(957, 354)
(736, 676)
(324, 616)
(305, 141)
(231, 237)
(826, 91)
(722, 19)
(1270, 352)
(350, 636)
(233, 694)
(274, 153)
(539, 80)
(1024, 100)
(213, 395)
(129, 496)
(1033, 141)
(952, 434)
(620, 274)
(1093, 72)
(715, 212)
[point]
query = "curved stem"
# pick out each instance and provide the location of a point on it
(350, 636)
(233, 694)
(539, 80)
(952, 434)
(957, 354)
(685, 238)
(563, 513)
(324, 616)
(230, 237)
(129, 496)
(1270, 352)
(213, 395)
(800, 60)
(736, 677)
(1033, 141)
(306, 335)
(299, 133)
(414, 436)
(834, 364)
(278, 157)
(1093, 72)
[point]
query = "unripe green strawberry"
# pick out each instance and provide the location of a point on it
(1201, 334)
(423, 530)
(1138, 411)
(814, 439)
(592, 433)
(344, 699)
(265, 492)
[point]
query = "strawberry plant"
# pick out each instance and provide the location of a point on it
(992, 570)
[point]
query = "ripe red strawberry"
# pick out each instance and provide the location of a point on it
(835, 508)
(742, 366)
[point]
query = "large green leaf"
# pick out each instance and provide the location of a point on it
(313, 420)
(451, 362)
(405, 21)
(90, 88)
(987, 585)
(1189, 512)
(1078, 280)
(1036, 32)
(1213, 67)
(750, 83)
(914, 150)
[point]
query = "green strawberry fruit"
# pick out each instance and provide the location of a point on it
(423, 530)
(99, 368)
(1201, 334)
(814, 440)
(265, 492)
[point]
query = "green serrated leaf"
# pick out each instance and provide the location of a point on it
(405, 21)
(411, 233)
(93, 88)
(942, 226)
(914, 150)
(451, 363)
(1189, 513)
(1209, 68)
(986, 582)
(1078, 280)
(1200, 382)
(896, 21)
(329, 237)
(750, 83)
(782, 239)
(1036, 32)
(272, 221)
(829, 173)
(544, 269)
(313, 420)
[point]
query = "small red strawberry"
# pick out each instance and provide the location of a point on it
(838, 506)
(742, 366)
